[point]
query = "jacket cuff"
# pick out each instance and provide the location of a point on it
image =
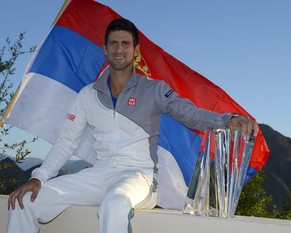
(39, 174)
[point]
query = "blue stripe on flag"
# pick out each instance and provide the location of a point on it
(182, 143)
(250, 173)
(69, 58)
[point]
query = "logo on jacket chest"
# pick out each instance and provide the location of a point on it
(131, 101)
(71, 117)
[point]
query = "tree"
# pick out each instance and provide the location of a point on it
(286, 212)
(254, 200)
(9, 54)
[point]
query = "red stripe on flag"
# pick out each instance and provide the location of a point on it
(87, 18)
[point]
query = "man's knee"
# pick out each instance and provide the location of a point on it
(119, 205)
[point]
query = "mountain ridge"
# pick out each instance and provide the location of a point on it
(277, 169)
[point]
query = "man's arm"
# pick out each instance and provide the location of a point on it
(193, 117)
(65, 146)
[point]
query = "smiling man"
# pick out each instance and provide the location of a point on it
(123, 109)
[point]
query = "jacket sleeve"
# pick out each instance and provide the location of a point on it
(67, 142)
(186, 112)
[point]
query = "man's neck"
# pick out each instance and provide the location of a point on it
(119, 80)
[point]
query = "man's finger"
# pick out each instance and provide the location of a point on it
(11, 200)
(256, 128)
(249, 127)
(34, 195)
(19, 199)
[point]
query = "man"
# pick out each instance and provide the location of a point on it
(123, 110)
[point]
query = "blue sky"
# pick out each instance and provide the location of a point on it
(242, 46)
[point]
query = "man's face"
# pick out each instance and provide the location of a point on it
(120, 50)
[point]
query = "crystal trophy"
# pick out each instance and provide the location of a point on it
(219, 173)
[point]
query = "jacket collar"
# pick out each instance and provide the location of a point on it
(101, 83)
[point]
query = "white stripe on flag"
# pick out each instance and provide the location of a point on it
(42, 107)
(172, 189)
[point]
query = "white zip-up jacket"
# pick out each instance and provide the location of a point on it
(125, 135)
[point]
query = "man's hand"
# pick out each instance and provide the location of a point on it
(33, 185)
(248, 125)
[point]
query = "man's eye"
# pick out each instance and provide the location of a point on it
(113, 44)
(126, 44)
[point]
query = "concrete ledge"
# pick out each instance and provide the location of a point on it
(83, 219)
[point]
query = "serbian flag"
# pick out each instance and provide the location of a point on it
(71, 56)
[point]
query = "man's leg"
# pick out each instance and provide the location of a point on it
(25, 220)
(116, 208)
(54, 197)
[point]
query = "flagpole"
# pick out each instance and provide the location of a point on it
(65, 5)
(18, 90)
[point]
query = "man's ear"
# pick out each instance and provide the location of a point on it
(104, 50)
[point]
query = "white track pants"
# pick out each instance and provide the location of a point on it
(115, 190)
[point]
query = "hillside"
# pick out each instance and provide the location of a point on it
(13, 171)
(21, 171)
(278, 167)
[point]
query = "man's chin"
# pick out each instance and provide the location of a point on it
(120, 67)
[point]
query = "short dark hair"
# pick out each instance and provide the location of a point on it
(122, 24)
